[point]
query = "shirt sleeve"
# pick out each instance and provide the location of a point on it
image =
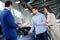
(43, 19)
(51, 20)
(48, 18)
(32, 26)
(10, 21)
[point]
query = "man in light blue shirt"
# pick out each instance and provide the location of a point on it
(38, 23)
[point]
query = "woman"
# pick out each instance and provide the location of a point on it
(51, 22)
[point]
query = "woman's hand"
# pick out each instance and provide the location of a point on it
(46, 22)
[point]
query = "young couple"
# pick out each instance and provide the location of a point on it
(40, 23)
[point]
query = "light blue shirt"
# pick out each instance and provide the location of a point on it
(41, 26)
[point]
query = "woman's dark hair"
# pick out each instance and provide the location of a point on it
(49, 9)
(8, 3)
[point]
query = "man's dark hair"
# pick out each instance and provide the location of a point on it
(8, 3)
(34, 8)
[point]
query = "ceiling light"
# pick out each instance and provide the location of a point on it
(26, 9)
(17, 2)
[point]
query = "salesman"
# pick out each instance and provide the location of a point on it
(7, 22)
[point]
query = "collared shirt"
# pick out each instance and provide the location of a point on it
(6, 8)
(39, 19)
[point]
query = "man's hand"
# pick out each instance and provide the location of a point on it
(29, 33)
(19, 25)
(17, 28)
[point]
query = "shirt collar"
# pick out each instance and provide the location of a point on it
(48, 13)
(6, 8)
(37, 13)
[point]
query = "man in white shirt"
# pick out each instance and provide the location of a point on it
(39, 24)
